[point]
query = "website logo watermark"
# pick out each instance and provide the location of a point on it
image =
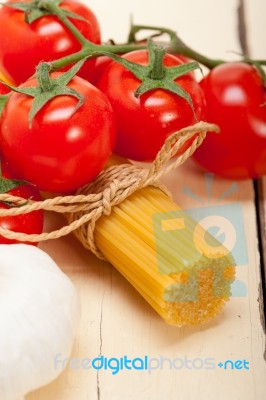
(148, 364)
(215, 230)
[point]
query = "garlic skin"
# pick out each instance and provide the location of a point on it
(39, 314)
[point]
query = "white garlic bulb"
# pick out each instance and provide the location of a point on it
(39, 313)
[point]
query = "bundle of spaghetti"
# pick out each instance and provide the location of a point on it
(180, 269)
(127, 218)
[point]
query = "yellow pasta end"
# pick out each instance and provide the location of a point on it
(205, 308)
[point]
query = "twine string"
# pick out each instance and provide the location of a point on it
(110, 188)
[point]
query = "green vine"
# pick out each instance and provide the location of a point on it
(154, 75)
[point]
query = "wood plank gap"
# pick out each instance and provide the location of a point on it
(261, 218)
(257, 184)
(100, 351)
(242, 28)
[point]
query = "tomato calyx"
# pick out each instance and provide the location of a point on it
(155, 75)
(36, 9)
(49, 87)
(7, 184)
(3, 99)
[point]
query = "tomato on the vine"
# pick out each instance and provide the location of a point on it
(145, 122)
(24, 45)
(26, 223)
(64, 148)
(236, 101)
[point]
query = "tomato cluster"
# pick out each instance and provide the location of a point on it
(66, 141)
(63, 148)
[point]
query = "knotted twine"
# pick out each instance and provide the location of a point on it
(109, 189)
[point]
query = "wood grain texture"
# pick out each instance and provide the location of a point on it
(262, 217)
(116, 321)
(263, 214)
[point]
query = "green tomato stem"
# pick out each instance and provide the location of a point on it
(92, 51)
(157, 67)
(261, 62)
(68, 60)
(56, 10)
(179, 47)
(120, 48)
(43, 76)
(176, 45)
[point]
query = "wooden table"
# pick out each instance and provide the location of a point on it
(262, 219)
(116, 321)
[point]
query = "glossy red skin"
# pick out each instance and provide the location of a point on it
(144, 123)
(63, 150)
(26, 223)
(235, 96)
(23, 46)
(101, 65)
(3, 89)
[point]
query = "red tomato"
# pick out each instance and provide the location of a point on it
(101, 65)
(236, 99)
(23, 46)
(63, 149)
(145, 122)
(26, 223)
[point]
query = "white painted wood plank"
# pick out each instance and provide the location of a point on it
(251, 340)
(116, 321)
(129, 327)
(256, 15)
(208, 26)
(89, 276)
